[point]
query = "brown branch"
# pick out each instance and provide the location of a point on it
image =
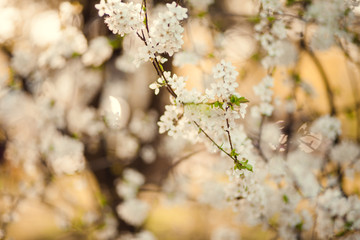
(177, 162)
(229, 136)
(324, 77)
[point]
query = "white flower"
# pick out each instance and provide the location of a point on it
(133, 177)
(327, 126)
(242, 110)
(127, 145)
(346, 151)
(65, 155)
(155, 86)
(226, 87)
(145, 235)
(202, 5)
(266, 108)
(263, 92)
(213, 193)
(102, 7)
(272, 5)
(268, 81)
(166, 30)
(133, 211)
(179, 12)
(148, 154)
(147, 52)
(219, 70)
(98, 52)
(23, 61)
(322, 39)
(271, 135)
(9, 18)
(126, 191)
(123, 18)
(224, 233)
(279, 30)
(183, 58)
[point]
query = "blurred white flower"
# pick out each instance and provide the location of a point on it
(329, 127)
(225, 233)
(98, 52)
(345, 152)
(133, 211)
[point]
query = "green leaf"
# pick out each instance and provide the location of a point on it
(161, 67)
(238, 100)
(249, 167)
(116, 42)
(290, 2)
(299, 226)
(271, 18)
(221, 146)
(202, 14)
(297, 78)
(285, 199)
(347, 11)
(234, 153)
(243, 165)
(218, 105)
(347, 228)
(76, 136)
(255, 19)
(256, 57)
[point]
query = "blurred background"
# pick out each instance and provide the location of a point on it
(66, 163)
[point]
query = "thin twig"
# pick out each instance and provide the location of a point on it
(146, 17)
(154, 61)
(212, 140)
(229, 136)
(169, 88)
(177, 162)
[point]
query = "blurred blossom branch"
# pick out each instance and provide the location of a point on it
(80, 133)
(329, 92)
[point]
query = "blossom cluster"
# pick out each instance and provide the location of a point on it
(64, 142)
(281, 176)
(214, 112)
(122, 18)
(264, 92)
(132, 210)
(164, 35)
(332, 22)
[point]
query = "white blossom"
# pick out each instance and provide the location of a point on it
(345, 152)
(99, 51)
(65, 155)
(133, 211)
(224, 233)
(329, 127)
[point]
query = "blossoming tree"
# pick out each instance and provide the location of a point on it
(93, 99)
